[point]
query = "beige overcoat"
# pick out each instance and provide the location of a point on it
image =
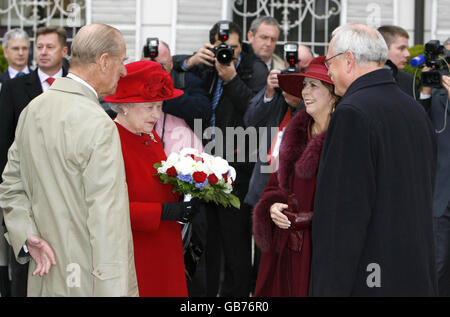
(65, 181)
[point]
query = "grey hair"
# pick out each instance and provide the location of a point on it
(264, 19)
(14, 34)
(92, 41)
(366, 44)
(117, 107)
(447, 41)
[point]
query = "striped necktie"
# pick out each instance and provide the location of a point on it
(218, 94)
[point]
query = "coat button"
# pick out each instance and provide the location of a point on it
(147, 143)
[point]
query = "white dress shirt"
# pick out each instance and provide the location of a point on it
(13, 72)
(43, 78)
(83, 82)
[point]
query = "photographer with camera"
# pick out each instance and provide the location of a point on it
(269, 109)
(193, 104)
(435, 97)
(233, 79)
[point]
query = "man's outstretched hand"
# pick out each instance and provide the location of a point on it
(42, 253)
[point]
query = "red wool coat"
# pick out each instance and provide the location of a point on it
(283, 271)
(158, 251)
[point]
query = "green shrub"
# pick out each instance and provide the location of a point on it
(414, 51)
(3, 61)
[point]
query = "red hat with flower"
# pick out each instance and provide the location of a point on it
(293, 83)
(146, 81)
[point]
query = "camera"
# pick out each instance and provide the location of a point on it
(437, 58)
(291, 55)
(223, 52)
(151, 48)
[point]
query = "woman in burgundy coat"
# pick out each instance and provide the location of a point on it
(282, 217)
(155, 210)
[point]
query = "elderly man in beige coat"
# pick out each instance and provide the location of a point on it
(64, 194)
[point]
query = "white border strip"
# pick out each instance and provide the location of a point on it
(173, 40)
(434, 12)
(88, 11)
(138, 25)
(343, 17)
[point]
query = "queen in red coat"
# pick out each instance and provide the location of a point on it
(282, 217)
(155, 210)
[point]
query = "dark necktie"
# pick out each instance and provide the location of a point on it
(20, 74)
(50, 80)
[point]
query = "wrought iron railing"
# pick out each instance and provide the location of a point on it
(31, 14)
(309, 22)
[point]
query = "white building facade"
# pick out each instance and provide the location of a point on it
(184, 24)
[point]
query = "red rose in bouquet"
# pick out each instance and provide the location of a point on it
(199, 177)
(212, 179)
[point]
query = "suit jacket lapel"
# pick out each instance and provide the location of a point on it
(33, 85)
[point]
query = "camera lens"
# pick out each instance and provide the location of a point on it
(224, 55)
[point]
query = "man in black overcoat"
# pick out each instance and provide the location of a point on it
(372, 229)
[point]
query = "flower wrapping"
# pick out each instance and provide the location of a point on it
(201, 175)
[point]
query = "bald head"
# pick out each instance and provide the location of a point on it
(164, 57)
(305, 56)
(98, 56)
(92, 41)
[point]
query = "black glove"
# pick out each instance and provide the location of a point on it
(181, 211)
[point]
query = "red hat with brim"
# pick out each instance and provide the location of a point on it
(293, 83)
(146, 81)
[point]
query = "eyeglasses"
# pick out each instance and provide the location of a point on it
(326, 62)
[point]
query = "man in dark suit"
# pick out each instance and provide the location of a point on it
(16, 45)
(15, 95)
(397, 41)
(372, 231)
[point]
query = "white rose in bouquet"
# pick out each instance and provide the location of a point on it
(218, 166)
(188, 151)
(185, 165)
(200, 175)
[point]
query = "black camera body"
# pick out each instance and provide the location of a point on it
(291, 55)
(436, 57)
(151, 48)
(223, 52)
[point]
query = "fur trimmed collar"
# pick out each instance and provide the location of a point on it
(297, 153)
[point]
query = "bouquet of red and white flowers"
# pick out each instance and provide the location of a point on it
(200, 175)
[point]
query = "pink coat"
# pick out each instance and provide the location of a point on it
(177, 134)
